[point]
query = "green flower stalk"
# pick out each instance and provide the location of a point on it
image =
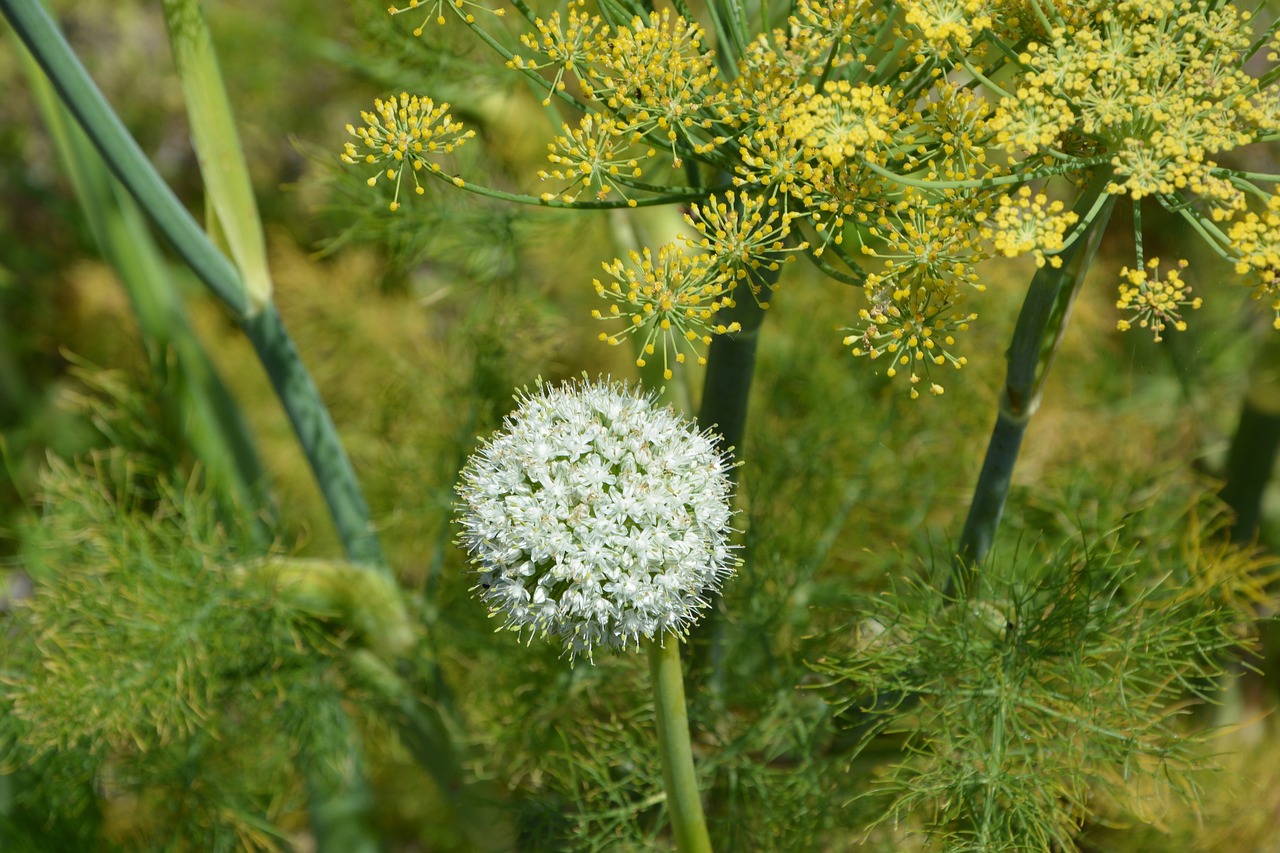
(249, 304)
(678, 774)
(1036, 338)
(598, 520)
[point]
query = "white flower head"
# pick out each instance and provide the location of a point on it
(596, 518)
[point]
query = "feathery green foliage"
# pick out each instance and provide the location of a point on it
(158, 646)
(1063, 677)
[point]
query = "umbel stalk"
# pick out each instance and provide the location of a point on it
(1041, 325)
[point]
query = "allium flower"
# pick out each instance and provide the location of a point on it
(596, 518)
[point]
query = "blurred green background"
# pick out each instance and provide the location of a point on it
(418, 326)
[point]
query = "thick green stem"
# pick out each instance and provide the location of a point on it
(264, 328)
(317, 435)
(1256, 443)
(1036, 338)
(213, 425)
(731, 364)
(121, 153)
(683, 801)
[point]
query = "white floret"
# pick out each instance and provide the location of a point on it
(597, 519)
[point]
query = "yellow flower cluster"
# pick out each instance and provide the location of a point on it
(929, 248)
(1025, 223)
(911, 337)
(946, 25)
(670, 298)
(745, 238)
(842, 122)
(566, 46)
(436, 9)
(655, 76)
(1155, 303)
(869, 124)
(1256, 242)
(402, 134)
(837, 23)
(594, 156)
(1157, 84)
(957, 122)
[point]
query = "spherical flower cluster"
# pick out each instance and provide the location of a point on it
(596, 518)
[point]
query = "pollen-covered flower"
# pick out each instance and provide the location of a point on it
(915, 335)
(405, 132)
(670, 297)
(947, 24)
(596, 518)
(745, 236)
(568, 46)
(436, 8)
(1024, 223)
(843, 121)
(1255, 244)
(657, 78)
(596, 157)
(1154, 303)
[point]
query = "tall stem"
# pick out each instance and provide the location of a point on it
(1256, 443)
(731, 364)
(123, 156)
(1036, 338)
(312, 424)
(684, 804)
(317, 435)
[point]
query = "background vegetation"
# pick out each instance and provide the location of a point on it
(279, 724)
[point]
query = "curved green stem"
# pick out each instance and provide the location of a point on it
(289, 376)
(317, 435)
(1036, 337)
(672, 195)
(122, 154)
(684, 804)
